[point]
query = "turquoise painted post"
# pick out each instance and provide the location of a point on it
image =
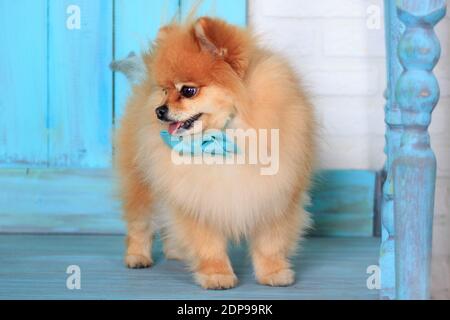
(23, 83)
(80, 83)
(136, 23)
(414, 167)
(394, 30)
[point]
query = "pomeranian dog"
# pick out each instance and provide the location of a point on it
(209, 75)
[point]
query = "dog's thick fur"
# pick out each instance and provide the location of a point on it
(200, 207)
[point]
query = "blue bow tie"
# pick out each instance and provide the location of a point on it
(211, 142)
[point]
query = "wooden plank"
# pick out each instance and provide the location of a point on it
(84, 201)
(23, 79)
(45, 201)
(343, 203)
(234, 12)
(34, 267)
(80, 106)
(136, 24)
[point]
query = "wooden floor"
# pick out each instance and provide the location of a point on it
(34, 267)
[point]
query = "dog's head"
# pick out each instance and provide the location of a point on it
(199, 70)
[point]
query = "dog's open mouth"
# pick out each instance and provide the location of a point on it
(175, 127)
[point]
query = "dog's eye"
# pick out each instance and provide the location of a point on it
(188, 92)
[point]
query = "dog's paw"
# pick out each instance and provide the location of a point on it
(282, 278)
(137, 262)
(216, 281)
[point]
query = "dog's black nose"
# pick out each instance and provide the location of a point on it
(162, 112)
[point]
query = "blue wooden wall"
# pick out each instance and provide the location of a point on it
(80, 90)
(23, 83)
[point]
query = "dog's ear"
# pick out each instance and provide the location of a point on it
(224, 41)
(206, 43)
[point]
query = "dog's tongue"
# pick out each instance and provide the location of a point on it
(173, 127)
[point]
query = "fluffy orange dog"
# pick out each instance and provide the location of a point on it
(215, 74)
